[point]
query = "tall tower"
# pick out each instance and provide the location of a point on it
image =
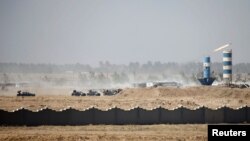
(206, 79)
(206, 67)
(227, 66)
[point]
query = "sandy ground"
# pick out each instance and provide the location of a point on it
(107, 132)
(146, 98)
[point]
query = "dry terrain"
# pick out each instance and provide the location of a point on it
(107, 132)
(148, 98)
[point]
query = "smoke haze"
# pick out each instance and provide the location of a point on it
(119, 31)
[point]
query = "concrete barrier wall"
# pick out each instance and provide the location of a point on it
(214, 116)
(148, 116)
(127, 117)
(193, 116)
(119, 116)
(248, 114)
(235, 116)
(105, 117)
(171, 116)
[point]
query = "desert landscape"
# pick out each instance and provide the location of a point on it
(147, 98)
(91, 70)
(106, 132)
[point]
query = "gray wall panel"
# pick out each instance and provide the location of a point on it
(193, 116)
(171, 116)
(127, 117)
(148, 116)
(235, 116)
(214, 116)
(119, 116)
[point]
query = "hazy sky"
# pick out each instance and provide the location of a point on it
(120, 31)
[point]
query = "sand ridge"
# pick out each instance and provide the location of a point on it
(147, 98)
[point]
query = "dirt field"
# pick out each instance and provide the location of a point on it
(107, 132)
(146, 98)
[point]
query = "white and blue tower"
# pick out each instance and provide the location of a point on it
(206, 67)
(227, 66)
(207, 79)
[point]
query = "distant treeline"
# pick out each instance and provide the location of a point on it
(133, 67)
